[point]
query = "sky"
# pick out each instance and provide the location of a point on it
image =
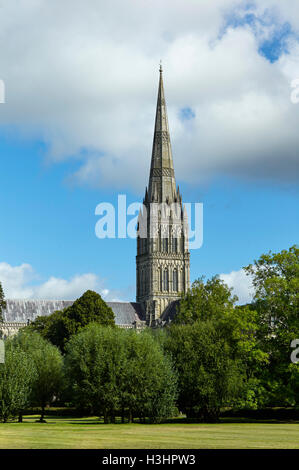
(76, 130)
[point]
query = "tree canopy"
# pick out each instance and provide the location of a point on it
(214, 341)
(62, 324)
(16, 377)
(48, 365)
(204, 300)
(275, 277)
(114, 371)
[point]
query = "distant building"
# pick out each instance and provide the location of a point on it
(20, 312)
(163, 259)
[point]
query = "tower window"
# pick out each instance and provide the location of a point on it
(165, 280)
(174, 244)
(175, 280)
(165, 245)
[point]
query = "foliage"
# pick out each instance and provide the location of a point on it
(209, 377)
(16, 377)
(117, 371)
(48, 364)
(275, 277)
(212, 302)
(204, 300)
(61, 325)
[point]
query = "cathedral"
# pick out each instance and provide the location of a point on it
(163, 258)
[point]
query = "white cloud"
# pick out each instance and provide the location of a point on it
(241, 284)
(15, 280)
(20, 282)
(87, 86)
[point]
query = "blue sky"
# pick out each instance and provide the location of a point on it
(54, 170)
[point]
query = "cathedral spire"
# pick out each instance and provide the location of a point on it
(162, 181)
(162, 261)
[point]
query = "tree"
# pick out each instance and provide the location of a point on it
(209, 377)
(275, 277)
(204, 300)
(113, 371)
(61, 325)
(16, 378)
(48, 364)
(149, 387)
(212, 304)
(93, 364)
(2, 303)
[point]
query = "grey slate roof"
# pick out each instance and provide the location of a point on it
(23, 310)
(126, 312)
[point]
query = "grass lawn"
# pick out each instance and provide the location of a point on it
(84, 433)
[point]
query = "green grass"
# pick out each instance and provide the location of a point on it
(88, 433)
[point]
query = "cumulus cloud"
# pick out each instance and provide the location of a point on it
(15, 279)
(241, 284)
(87, 86)
(21, 282)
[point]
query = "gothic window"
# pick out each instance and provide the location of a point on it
(160, 280)
(159, 240)
(175, 280)
(165, 244)
(165, 280)
(174, 244)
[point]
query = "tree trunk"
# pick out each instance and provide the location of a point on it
(42, 416)
(20, 420)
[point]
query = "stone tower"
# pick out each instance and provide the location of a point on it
(163, 259)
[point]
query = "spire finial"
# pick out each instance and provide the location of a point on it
(160, 69)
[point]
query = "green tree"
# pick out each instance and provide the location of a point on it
(61, 325)
(113, 371)
(94, 362)
(204, 300)
(275, 277)
(212, 303)
(16, 377)
(149, 386)
(2, 303)
(48, 364)
(209, 377)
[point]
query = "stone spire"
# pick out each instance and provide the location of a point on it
(162, 261)
(162, 187)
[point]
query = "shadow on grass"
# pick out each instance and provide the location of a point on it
(266, 416)
(70, 420)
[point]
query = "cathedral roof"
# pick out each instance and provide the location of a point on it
(126, 313)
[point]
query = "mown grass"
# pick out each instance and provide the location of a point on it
(90, 433)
